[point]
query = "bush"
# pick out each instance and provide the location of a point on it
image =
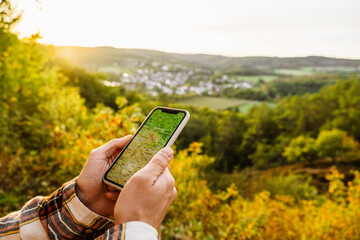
(336, 144)
(294, 212)
(300, 149)
(295, 186)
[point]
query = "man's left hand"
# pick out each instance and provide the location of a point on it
(90, 189)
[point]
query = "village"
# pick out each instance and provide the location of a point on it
(176, 79)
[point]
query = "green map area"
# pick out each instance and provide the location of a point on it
(152, 137)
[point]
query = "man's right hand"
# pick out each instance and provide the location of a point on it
(148, 193)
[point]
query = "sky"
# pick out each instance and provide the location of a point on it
(282, 28)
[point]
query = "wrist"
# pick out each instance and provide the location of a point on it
(81, 194)
(134, 218)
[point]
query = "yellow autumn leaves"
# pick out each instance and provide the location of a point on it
(198, 213)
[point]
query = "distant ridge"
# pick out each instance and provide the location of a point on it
(109, 55)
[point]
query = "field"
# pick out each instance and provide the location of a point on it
(215, 103)
(218, 103)
(244, 108)
(294, 72)
(339, 69)
(116, 69)
(255, 79)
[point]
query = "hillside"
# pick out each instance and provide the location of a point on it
(182, 76)
(103, 56)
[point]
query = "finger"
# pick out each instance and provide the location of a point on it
(174, 193)
(115, 154)
(171, 197)
(112, 195)
(115, 144)
(111, 188)
(159, 162)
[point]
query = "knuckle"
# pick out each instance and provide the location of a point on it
(160, 161)
(174, 193)
(170, 182)
(93, 152)
(138, 178)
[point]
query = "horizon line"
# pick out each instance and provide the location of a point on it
(210, 54)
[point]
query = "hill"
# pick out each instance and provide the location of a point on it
(103, 56)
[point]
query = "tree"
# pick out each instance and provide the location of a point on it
(8, 17)
(300, 149)
(336, 144)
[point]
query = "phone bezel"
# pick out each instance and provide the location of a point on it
(169, 143)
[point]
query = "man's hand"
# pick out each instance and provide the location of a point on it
(90, 189)
(148, 193)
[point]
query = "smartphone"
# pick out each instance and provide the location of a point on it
(160, 129)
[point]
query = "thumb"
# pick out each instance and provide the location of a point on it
(159, 162)
(115, 144)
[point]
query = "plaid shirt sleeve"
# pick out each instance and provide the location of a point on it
(63, 216)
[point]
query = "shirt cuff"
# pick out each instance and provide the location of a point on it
(140, 231)
(82, 213)
(87, 221)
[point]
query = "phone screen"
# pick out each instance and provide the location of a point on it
(152, 136)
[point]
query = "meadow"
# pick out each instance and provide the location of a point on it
(294, 72)
(220, 103)
(244, 108)
(215, 103)
(116, 69)
(257, 78)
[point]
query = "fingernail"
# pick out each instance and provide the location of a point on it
(168, 151)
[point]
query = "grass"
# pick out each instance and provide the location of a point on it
(244, 108)
(116, 69)
(333, 69)
(215, 103)
(218, 103)
(294, 72)
(255, 79)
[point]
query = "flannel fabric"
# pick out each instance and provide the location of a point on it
(63, 216)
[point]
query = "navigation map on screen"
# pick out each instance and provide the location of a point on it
(152, 137)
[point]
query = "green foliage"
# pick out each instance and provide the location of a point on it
(270, 136)
(344, 100)
(250, 94)
(299, 85)
(291, 210)
(296, 186)
(90, 85)
(262, 137)
(300, 149)
(214, 103)
(200, 128)
(226, 144)
(266, 156)
(336, 144)
(46, 130)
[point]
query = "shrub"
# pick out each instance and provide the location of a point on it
(336, 144)
(300, 149)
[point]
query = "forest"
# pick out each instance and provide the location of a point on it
(284, 172)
